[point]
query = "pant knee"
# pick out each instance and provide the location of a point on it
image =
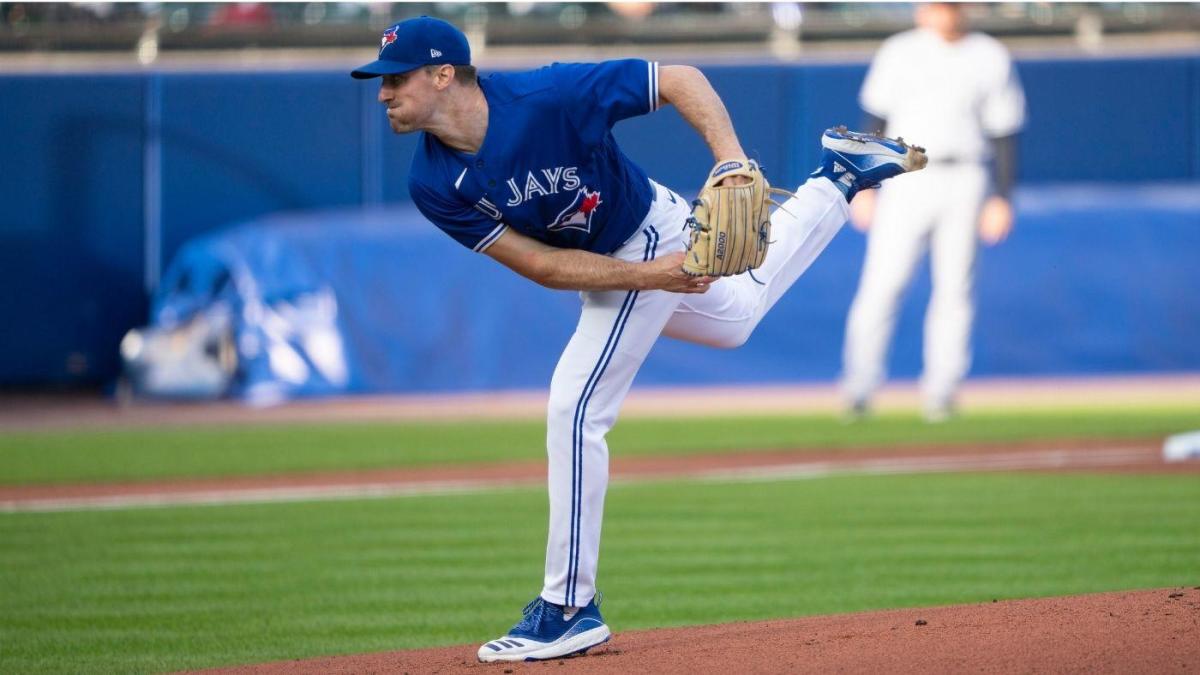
(559, 418)
(739, 339)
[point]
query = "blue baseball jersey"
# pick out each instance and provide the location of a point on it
(549, 166)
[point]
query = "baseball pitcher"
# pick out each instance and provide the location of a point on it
(523, 167)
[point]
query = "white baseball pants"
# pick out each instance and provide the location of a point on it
(615, 333)
(935, 209)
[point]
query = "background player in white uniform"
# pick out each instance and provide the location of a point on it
(524, 168)
(958, 93)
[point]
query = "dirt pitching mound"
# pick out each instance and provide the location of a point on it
(1155, 631)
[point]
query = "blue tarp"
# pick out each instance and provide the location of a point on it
(1095, 279)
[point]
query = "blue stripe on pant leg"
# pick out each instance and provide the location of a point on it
(581, 413)
(577, 446)
(577, 433)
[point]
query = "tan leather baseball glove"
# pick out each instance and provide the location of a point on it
(731, 224)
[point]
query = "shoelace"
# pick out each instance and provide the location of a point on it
(532, 614)
(534, 611)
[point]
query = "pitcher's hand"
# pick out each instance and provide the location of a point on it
(666, 274)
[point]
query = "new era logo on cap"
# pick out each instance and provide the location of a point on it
(433, 53)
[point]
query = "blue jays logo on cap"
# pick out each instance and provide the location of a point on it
(413, 43)
(389, 36)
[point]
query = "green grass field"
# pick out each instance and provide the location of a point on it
(162, 589)
(156, 589)
(153, 453)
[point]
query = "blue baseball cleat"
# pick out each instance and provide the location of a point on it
(856, 161)
(547, 632)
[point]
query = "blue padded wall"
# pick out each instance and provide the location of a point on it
(70, 225)
(673, 154)
(1119, 119)
(239, 145)
(826, 96)
(236, 145)
(1096, 278)
(1194, 109)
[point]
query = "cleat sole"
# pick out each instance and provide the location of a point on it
(575, 645)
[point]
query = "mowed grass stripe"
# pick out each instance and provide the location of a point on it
(149, 454)
(961, 462)
(153, 590)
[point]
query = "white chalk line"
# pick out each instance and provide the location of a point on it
(1015, 461)
(1047, 459)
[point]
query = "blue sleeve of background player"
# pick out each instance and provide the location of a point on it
(598, 95)
(468, 225)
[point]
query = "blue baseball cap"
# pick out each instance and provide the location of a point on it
(413, 43)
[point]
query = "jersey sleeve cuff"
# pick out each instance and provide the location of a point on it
(490, 238)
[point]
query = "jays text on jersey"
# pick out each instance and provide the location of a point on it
(549, 166)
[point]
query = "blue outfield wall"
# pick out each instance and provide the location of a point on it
(103, 177)
(71, 224)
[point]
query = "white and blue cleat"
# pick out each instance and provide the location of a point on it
(548, 632)
(856, 161)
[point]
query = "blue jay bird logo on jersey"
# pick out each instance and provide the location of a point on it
(578, 214)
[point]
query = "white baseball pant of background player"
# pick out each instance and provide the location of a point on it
(954, 96)
(615, 333)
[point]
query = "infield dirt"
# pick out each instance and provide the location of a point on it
(1155, 631)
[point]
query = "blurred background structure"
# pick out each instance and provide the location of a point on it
(176, 27)
(210, 169)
